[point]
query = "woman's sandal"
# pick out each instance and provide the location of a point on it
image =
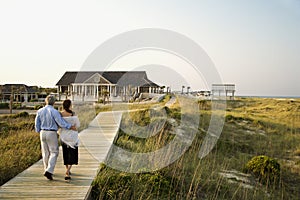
(67, 177)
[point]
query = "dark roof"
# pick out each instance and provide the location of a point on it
(121, 78)
(7, 88)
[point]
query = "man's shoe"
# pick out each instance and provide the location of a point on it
(48, 175)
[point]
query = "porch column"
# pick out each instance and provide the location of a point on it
(124, 92)
(59, 92)
(109, 89)
(69, 89)
(72, 92)
(97, 92)
(26, 97)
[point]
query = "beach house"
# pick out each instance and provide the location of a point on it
(115, 85)
(18, 92)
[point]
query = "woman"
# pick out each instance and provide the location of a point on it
(69, 138)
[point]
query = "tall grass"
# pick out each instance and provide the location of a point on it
(253, 127)
(87, 111)
(19, 145)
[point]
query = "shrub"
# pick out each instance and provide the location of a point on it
(4, 105)
(36, 107)
(22, 114)
(34, 100)
(16, 105)
(229, 118)
(100, 100)
(266, 169)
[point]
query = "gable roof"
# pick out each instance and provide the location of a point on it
(121, 78)
(97, 78)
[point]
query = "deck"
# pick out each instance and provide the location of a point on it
(95, 143)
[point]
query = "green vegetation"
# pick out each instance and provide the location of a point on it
(4, 105)
(19, 144)
(260, 137)
(19, 106)
(88, 111)
(85, 112)
(267, 128)
(266, 169)
(119, 185)
(14, 106)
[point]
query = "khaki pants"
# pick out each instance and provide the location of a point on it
(49, 145)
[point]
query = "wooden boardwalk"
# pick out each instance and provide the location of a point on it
(95, 143)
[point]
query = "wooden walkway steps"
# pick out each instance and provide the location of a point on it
(95, 143)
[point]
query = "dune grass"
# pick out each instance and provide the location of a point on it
(19, 145)
(253, 127)
(87, 111)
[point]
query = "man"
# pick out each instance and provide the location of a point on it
(47, 122)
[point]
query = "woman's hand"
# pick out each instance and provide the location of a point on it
(73, 128)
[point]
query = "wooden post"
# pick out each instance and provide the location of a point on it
(11, 100)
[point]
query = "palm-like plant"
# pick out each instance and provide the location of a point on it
(187, 89)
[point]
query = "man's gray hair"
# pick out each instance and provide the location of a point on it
(50, 100)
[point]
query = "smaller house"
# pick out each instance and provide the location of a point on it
(19, 92)
(227, 90)
(114, 85)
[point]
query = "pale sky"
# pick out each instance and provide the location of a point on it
(254, 44)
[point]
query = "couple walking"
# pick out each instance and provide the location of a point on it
(48, 123)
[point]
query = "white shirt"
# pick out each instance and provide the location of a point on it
(70, 137)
